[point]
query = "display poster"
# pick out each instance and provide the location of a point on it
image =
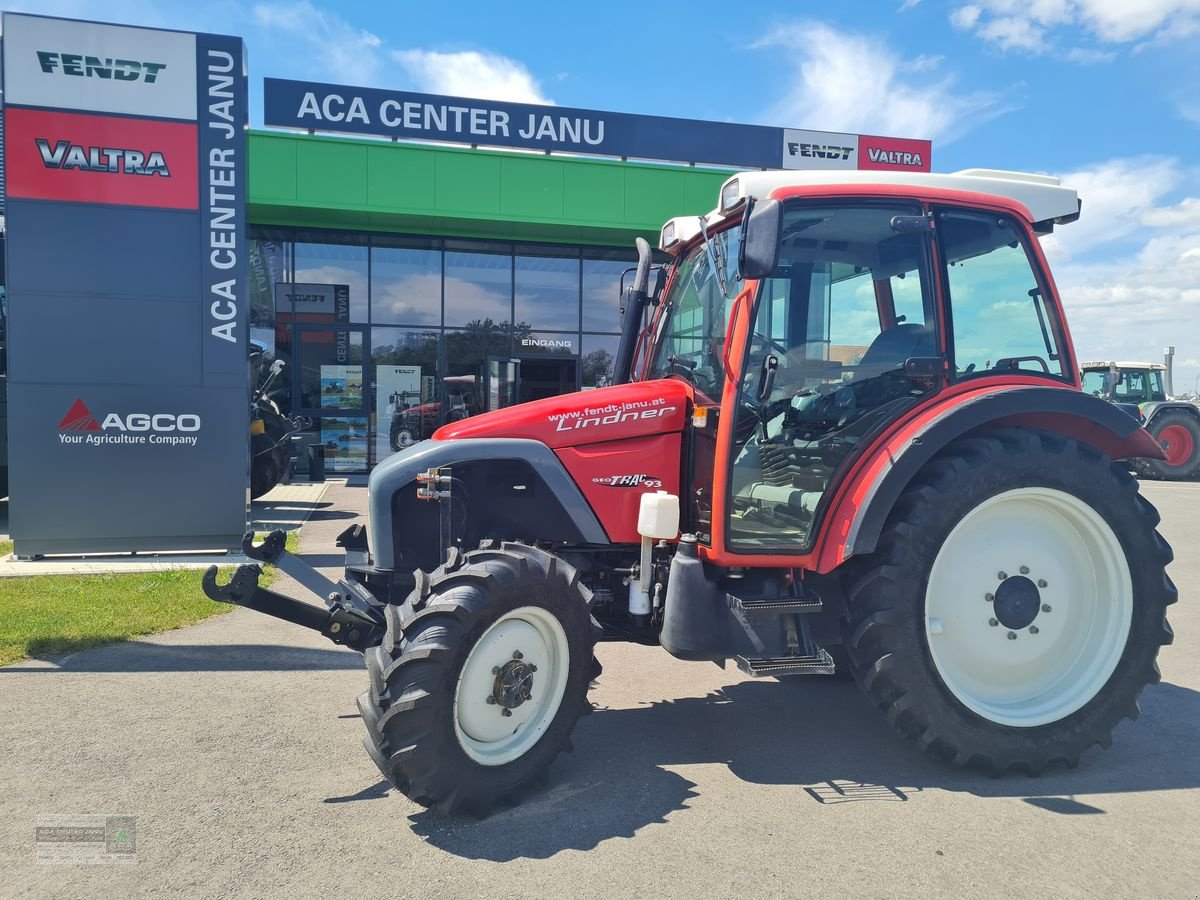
(341, 387)
(345, 443)
(402, 415)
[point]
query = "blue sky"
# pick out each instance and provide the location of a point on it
(1104, 93)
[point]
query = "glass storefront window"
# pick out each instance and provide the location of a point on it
(547, 289)
(268, 267)
(596, 364)
(333, 266)
(602, 288)
(406, 406)
(478, 287)
(406, 286)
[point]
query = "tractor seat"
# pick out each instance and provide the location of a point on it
(892, 347)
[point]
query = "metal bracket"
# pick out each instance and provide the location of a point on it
(272, 551)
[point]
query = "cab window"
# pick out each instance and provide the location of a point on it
(1001, 320)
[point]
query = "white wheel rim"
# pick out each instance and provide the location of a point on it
(531, 642)
(1054, 665)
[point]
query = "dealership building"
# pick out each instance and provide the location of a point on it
(412, 259)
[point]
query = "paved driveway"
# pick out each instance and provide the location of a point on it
(235, 743)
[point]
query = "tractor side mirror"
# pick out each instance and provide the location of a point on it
(758, 252)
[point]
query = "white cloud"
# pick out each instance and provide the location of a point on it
(1088, 56)
(1030, 25)
(470, 73)
(349, 54)
(847, 81)
(1129, 270)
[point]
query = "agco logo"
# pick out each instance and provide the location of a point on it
(95, 67)
(79, 426)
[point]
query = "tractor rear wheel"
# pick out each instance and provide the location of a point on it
(1179, 434)
(481, 677)
(1014, 608)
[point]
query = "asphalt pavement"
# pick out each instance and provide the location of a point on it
(235, 744)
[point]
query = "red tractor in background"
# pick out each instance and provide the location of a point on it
(851, 436)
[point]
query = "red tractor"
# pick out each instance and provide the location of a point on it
(851, 437)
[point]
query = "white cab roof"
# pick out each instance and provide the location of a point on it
(1106, 365)
(1043, 195)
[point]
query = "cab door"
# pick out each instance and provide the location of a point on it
(842, 340)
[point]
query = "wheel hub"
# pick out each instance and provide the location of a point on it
(1017, 602)
(514, 684)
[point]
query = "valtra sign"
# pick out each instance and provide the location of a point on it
(126, 180)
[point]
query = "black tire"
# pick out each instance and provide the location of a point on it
(1187, 468)
(887, 639)
(264, 474)
(409, 709)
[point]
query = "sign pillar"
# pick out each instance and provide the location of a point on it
(127, 287)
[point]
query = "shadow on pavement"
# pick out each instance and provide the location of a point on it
(145, 656)
(823, 738)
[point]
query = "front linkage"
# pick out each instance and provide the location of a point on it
(353, 617)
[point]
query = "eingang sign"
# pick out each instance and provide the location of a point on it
(428, 117)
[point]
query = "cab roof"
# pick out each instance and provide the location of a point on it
(1045, 199)
(1105, 365)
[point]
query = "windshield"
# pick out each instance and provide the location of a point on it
(689, 333)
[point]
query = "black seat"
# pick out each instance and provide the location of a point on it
(892, 347)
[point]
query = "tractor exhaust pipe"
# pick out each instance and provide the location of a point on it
(1168, 361)
(633, 306)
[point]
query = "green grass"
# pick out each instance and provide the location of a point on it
(53, 615)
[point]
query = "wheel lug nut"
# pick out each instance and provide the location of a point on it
(1024, 570)
(532, 667)
(1046, 607)
(1033, 629)
(993, 622)
(1002, 575)
(1012, 635)
(517, 654)
(506, 712)
(989, 597)
(491, 701)
(495, 670)
(1042, 582)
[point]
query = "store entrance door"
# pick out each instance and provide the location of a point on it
(547, 376)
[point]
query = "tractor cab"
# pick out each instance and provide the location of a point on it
(868, 307)
(1125, 382)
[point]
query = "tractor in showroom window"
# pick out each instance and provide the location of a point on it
(847, 434)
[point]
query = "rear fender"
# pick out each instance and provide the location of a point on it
(861, 510)
(1157, 407)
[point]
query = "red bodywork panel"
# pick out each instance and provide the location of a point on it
(616, 413)
(613, 476)
(616, 443)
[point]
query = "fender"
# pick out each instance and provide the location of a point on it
(863, 506)
(1154, 407)
(400, 470)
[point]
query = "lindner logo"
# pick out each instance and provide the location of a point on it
(133, 428)
(95, 67)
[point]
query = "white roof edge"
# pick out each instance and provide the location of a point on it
(1122, 364)
(1043, 195)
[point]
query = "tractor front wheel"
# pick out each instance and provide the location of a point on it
(481, 677)
(1015, 605)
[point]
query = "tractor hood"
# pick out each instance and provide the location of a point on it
(606, 414)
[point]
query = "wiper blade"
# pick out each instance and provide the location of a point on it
(714, 256)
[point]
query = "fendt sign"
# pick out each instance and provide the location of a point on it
(126, 180)
(428, 117)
